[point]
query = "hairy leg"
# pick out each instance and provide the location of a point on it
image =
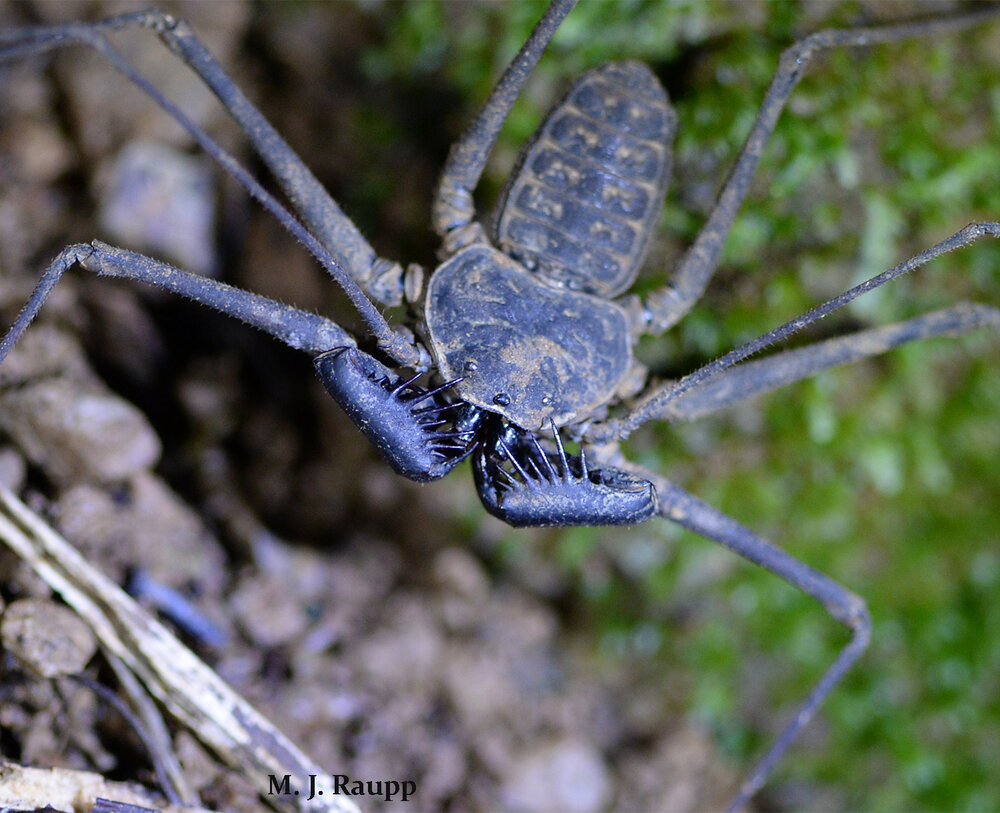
(763, 375)
(657, 403)
(844, 606)
(298, 329)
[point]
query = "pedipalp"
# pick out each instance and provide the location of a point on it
(542, 494)
(383, 409)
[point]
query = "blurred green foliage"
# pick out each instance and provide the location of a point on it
(885, 475)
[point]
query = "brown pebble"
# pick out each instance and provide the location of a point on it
(48, 638)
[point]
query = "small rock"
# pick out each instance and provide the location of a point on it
(270, 613)
(78, 432)
(13, 469)
(50, 639)
(569, 776)
(159, 199)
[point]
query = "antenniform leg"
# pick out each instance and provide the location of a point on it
(658, 402)
(847, 608)
(668, 305)
(755, 377)
(544, 488)
(401, 419)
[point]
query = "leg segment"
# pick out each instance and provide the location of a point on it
(755, 377)
(298, 329)
(665, 307)
(453, 207)
(656, 403)
(844, 606)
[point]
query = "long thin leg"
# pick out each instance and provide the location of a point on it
(453, 206)
(17, 44)
(844, 606)
(656, 403)
(666, 306)
(755, 377)
(310, 199)
(301, 330)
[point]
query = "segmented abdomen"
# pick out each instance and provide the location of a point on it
(587, 191)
